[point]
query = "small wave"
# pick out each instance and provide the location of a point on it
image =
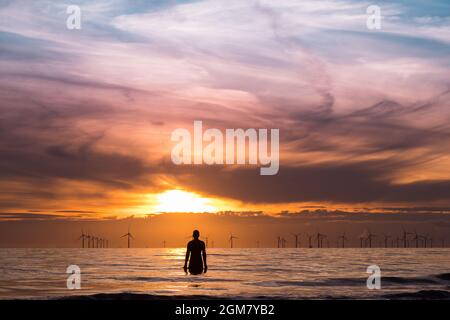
(167, 255)
(175, 279)
(444, 276)
(137, 296)
(336, 282)
(412, 281)
(320, 283)
(225, 255)
(420, 295)
(164, 295)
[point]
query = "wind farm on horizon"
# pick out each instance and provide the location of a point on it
(367, 239)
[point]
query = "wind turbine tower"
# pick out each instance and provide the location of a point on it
(82, 237)
(129, 237)
(231, 240)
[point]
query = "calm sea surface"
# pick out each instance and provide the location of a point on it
(233, 273)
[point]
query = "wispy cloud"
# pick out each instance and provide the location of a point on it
(93, 108)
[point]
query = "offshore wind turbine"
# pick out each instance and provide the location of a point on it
(283, 242)
(231, 240)
(425, 240)
(369, 238)
(309, 240)
(296, 235)
(361, 241)
(324, 237)
(398, 241)
(405, 238)
(129, 237)
(82, 237)
(386, 238)
(416, 238)
(343, 238)
(320, 238)
(366, 239)
(88, 237)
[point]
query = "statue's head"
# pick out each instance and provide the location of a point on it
(196, 234)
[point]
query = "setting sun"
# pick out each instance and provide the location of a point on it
(182, 201)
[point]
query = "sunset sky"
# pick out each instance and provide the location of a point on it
(86, 115)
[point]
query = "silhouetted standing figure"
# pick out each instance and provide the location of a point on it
(196, 255)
